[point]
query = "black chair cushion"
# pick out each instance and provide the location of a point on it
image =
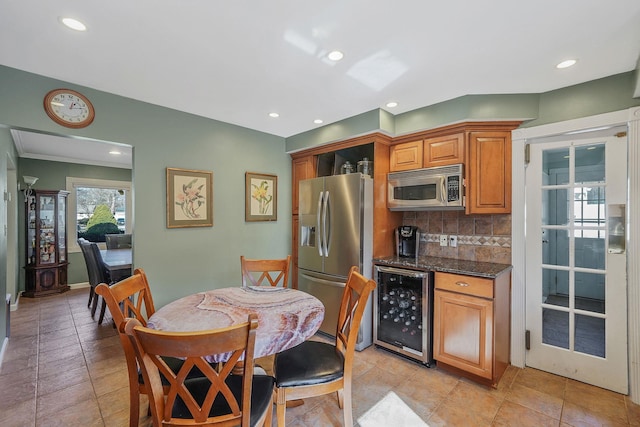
(309, 363)
(175, 365)
(261, 396)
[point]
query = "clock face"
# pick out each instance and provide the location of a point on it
(69, 108)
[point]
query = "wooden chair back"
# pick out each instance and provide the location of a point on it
(131, 297)
(255, 272)
(184, 399)
(354, 301)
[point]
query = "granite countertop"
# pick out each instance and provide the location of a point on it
(447, 265)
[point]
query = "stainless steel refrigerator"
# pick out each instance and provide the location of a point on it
(336, 227)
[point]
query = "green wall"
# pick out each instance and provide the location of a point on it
(605, 95)
(53, 176)
(8, 159)
(184, 260)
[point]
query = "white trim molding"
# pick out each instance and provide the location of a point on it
(520, 137)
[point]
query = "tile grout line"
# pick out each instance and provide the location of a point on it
(84, 357)
(35, 417)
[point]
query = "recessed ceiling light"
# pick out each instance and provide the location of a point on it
(115, 152)
(317, 121)
(566, 64)
(74, 24)
(335, 55)
(274, 115)
(392, 104)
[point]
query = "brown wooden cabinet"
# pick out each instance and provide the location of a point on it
(406, 156)
(471, 326)
(488, 173)
(302, 168)
(45, 242)
(443, 150)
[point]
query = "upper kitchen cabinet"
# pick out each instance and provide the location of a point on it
(484, 148)
(443, 150)
(406, 156)
(488, 173)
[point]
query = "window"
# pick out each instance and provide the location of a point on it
(85, 194)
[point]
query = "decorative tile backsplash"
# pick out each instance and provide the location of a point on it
(480, 237)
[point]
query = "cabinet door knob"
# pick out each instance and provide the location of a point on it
(463, 284)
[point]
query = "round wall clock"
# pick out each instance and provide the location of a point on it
(69, 108)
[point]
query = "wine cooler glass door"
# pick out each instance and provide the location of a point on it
(403, 312)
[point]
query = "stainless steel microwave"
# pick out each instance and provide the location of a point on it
(438, 188)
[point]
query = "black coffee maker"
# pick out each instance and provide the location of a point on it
(407, 241)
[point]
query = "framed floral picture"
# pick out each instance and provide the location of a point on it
(189, 198)
(261, 197)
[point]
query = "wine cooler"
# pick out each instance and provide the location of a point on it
(403, 312)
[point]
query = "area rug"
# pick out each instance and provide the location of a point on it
(391, 411)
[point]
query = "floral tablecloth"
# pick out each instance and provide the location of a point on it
(286, 317)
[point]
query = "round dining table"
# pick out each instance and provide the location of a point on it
(286, 317)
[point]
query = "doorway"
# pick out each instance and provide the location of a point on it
(576, 263)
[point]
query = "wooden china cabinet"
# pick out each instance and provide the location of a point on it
(45, 242)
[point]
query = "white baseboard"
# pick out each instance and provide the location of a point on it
(79, 285)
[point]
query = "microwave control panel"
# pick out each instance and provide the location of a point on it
(453, 188)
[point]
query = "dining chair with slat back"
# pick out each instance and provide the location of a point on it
(315, 368)
(219, 398)
(255, 272)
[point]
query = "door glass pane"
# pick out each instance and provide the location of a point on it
(555, 287)
(555, 248)
(590, 163)
(553, 161)
(589, 335)
(556, 207)
(590, 292)
(590, 253)
(555, 328)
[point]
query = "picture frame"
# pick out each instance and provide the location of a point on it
(189, 198)
(261, 197)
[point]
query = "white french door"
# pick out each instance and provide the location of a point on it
(576, 285)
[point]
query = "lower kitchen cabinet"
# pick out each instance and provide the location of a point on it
(471, 326)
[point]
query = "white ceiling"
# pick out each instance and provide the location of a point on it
(236, 61)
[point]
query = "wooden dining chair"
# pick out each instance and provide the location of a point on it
(130, 298)
(316, 368)
(255, 272)
(218, 398)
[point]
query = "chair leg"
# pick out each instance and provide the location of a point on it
(92, 292)
(347, 410)
(134, 407)
(94, 305)
(102, 309)
(281, 406)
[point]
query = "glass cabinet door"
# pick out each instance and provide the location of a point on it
(62, 229)
(47, 244)
(31, 230)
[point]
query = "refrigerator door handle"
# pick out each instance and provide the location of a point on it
(326, 226)
(318, 223)
(324, 281)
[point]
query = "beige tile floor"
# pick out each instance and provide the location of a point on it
(62, 369)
